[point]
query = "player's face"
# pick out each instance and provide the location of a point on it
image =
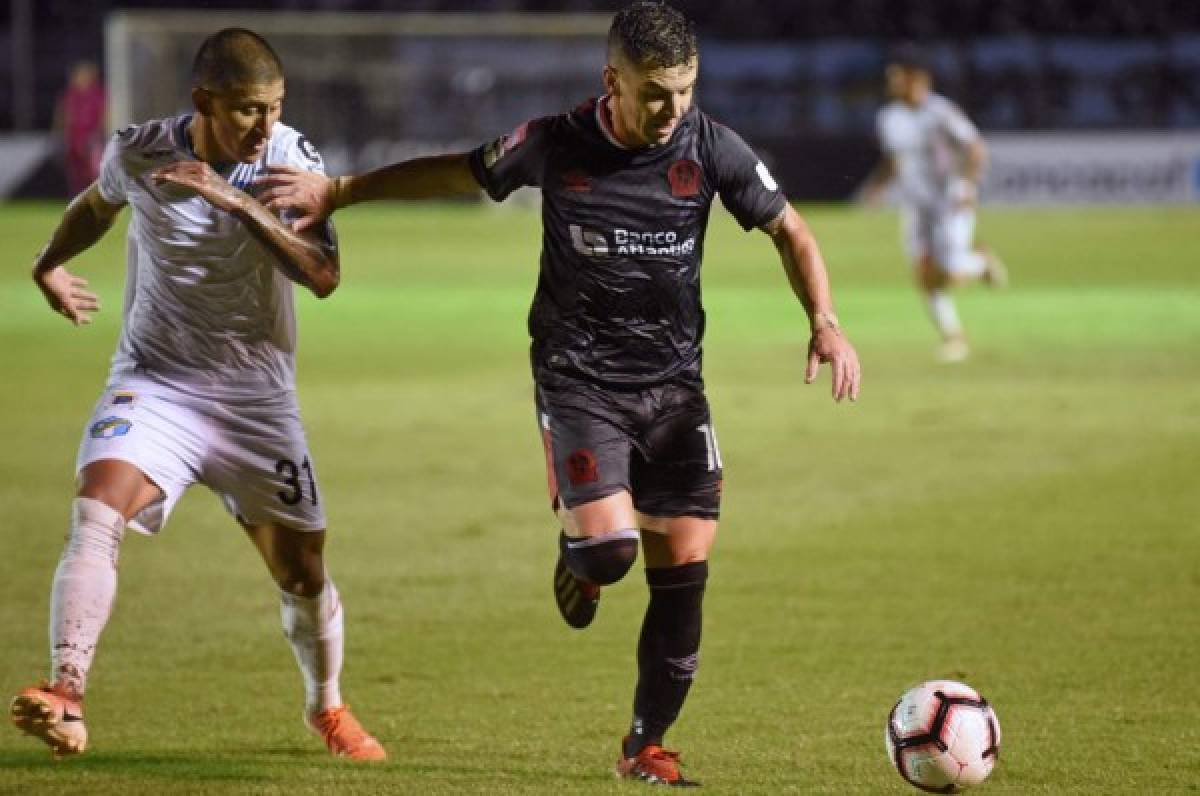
(241, 119)
(907, 84)
(648, 101)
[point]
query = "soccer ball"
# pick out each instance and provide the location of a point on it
(942, 737)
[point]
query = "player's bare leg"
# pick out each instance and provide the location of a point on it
(995, 273)
(312, 621)
(81, 600)
(935, 285)
(676, 555)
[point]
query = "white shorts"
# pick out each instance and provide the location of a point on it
(945, 235)
(253, 455)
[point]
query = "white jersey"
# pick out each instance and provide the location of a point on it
(206, 308)
(927, 144)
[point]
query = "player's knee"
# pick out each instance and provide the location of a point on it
(96, 531)
(602, 559)
(300, 578)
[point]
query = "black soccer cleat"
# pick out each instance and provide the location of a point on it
(576, 599)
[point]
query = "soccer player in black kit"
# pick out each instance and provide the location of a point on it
(627, 184)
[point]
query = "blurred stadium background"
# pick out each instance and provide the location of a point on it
(1094, 101)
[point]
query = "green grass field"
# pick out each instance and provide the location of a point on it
(1028, 521)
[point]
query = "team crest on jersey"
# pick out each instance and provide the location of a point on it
(503, 145)
(577, 181)
(582, 467)
(110, 427)
(684, 177)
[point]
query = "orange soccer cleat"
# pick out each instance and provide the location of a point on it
(344, 736)
(654, 765)
(50, 714)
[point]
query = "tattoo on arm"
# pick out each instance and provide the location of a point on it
(309, 259)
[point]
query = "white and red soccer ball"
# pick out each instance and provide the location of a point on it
(942, 736)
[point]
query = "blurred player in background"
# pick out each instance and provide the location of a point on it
(627, 183)
(80, 116)
(936, 156)
(202, 386)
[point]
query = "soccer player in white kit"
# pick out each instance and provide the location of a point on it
(936, 156)
(202, 385)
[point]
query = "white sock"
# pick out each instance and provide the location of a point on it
(313, 626)
(945, 314)
(85, 587)
(970, 263)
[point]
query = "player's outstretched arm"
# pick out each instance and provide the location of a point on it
(309, 259)
(805, 269)
(85, 221)
(313, 197)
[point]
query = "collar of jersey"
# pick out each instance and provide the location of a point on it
(181, 133)
(603, 123)
(240, 181)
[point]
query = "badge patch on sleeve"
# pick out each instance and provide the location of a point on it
(110, 427)
(766, 177)
(308, 150)
(503, 145)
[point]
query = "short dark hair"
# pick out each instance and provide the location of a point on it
(652, 34)
(233, 57)
(909, 56)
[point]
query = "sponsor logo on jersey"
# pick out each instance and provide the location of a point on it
(123, 398)
(582, 467)
(577, 181)
(684, 178)
(765, 176)
(629, 242)
(503, 145)
(110, 427)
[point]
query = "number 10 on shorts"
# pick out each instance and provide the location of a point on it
(710, 446)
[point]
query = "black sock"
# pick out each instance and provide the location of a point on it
(668, 651)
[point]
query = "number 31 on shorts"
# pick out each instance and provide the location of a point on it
(289, 471)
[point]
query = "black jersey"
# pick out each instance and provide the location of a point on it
(618, 296)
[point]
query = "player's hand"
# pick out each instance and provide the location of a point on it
(67, 294)
(828, 345)
(306, 194)
(200, 177)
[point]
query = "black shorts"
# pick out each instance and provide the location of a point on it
(657, 443)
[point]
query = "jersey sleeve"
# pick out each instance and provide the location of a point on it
(743, 182)
(957, 125)
(303, 155)
(512, 161)
(112, 180)
(881, 132)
